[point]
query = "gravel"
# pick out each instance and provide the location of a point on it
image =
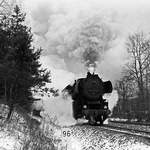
(95, 138)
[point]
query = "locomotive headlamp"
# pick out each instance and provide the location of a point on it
(84, 106)
(105, 107)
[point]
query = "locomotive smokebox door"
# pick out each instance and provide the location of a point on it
(92, 87)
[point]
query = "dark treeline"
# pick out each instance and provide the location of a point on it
(20, 70)
(134, 86)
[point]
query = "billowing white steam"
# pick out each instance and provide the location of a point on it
(61, 109)
(112, 99)
(70, 30)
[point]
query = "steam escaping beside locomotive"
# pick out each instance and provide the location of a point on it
(87, 94)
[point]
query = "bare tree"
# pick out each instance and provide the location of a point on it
(126, 90)
(126, 87)
(138, 46)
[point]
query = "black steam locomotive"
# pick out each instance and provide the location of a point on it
(87, 94)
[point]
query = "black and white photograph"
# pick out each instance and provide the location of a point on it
(74, 75)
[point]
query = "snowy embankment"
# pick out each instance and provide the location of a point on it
(23, 132)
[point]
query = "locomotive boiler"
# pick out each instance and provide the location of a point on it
(88, 102)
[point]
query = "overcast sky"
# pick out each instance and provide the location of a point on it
(57, 23)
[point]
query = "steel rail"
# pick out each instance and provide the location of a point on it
(128, 122)
(134, 132)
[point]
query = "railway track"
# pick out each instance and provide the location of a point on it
(122, 130)
(128, 131)
(143, 128)
(131, 123)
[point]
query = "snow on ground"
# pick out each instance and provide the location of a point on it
(16, 133)
(118, 119)
(8, 141)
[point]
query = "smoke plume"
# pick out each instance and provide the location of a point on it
(96, 37)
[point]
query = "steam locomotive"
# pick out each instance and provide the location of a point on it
(87, 94)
